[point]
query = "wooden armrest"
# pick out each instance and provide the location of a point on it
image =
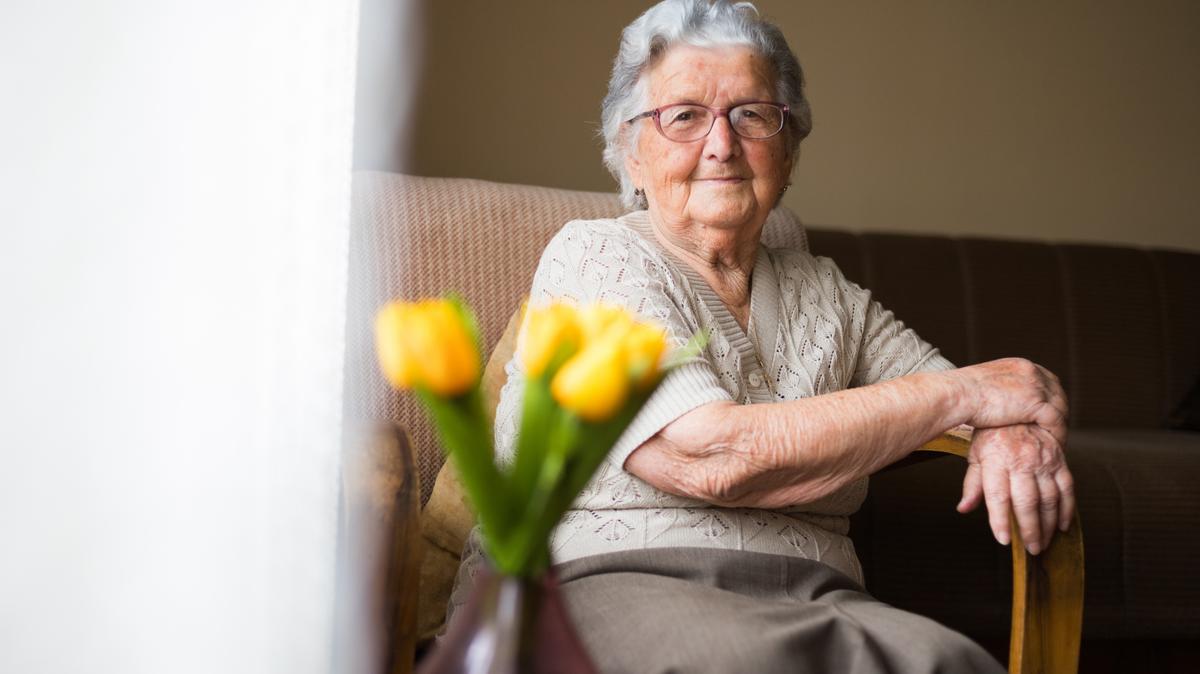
(379, 551)
(1047, 613)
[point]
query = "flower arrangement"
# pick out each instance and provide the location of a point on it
(588, 371)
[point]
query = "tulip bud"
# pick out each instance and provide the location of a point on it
(550, 333)
(597, 320)
(595, 382)
(395, 355)
(428, 345)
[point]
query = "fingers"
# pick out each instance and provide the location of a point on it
(1052, 415)
(1056, 487)
(972, 489)
(1053, 422)
(1057, 399)
(996, 495)
(1025, 504)
(1049, 503)
(1022, 471)
(1066, 488)
(1017, 391)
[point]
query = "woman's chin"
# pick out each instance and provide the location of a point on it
(723, 212)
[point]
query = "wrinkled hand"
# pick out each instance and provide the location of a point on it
(1014, 391)
(1021, 467)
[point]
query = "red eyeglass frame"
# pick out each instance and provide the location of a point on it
(656, 113)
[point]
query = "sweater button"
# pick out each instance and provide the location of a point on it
(756, 379)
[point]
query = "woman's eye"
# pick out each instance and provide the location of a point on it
(683, 115)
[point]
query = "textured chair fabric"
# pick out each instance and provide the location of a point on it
(421, 237)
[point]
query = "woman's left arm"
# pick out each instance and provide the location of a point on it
(1018, 468)
(1012, 468)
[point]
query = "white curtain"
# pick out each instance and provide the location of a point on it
(174, 197)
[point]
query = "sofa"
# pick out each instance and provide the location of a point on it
(1119, 325)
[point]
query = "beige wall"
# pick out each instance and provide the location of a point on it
(1074, 121)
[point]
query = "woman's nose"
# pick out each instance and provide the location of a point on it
(722, 143)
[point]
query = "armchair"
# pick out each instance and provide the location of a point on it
(483, 240)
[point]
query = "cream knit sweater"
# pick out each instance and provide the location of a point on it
(811, 331)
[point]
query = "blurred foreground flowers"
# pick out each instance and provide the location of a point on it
(588, 372)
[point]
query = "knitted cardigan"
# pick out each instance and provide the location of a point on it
(811, 331)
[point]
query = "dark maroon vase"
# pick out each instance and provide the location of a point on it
(510, 625)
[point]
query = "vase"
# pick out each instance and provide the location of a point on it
(510, 625)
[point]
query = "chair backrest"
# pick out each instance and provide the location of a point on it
(416, 237)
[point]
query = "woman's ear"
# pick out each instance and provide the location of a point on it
(634, 167)
(791, 153)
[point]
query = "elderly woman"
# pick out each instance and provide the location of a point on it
(714, 537)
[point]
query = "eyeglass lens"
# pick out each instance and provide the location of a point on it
(692, 122)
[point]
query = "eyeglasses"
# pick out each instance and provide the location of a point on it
(686, 122)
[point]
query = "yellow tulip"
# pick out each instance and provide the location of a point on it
(395, 355)
(644, 344)
(595, 382)
(548, 332)
(599, 319)
(427, 345)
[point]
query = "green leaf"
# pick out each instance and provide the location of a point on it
(538, 410)
(694, 347)
(589, 445)
(532, 531)
(467, 438)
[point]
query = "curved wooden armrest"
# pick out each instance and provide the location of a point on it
(1047, 613)
(379, 551)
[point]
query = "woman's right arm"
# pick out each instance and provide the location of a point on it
(794, 452)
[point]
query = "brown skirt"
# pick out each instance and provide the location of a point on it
(705, 610)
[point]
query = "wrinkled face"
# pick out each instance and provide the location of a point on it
(722, 180)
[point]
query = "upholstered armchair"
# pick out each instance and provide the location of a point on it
(415, 237)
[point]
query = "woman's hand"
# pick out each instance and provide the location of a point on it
(1014, 391)
(1016, 460)
(1021, 467)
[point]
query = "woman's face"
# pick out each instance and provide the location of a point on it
(721, 180)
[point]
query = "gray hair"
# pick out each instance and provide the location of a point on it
(699, 23)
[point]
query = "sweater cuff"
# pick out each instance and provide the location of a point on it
(685, 388)
(933, 361)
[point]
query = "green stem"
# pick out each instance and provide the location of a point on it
(467, 437)
(537, 421)
(530, 533)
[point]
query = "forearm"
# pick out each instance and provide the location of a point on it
(793, 452)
